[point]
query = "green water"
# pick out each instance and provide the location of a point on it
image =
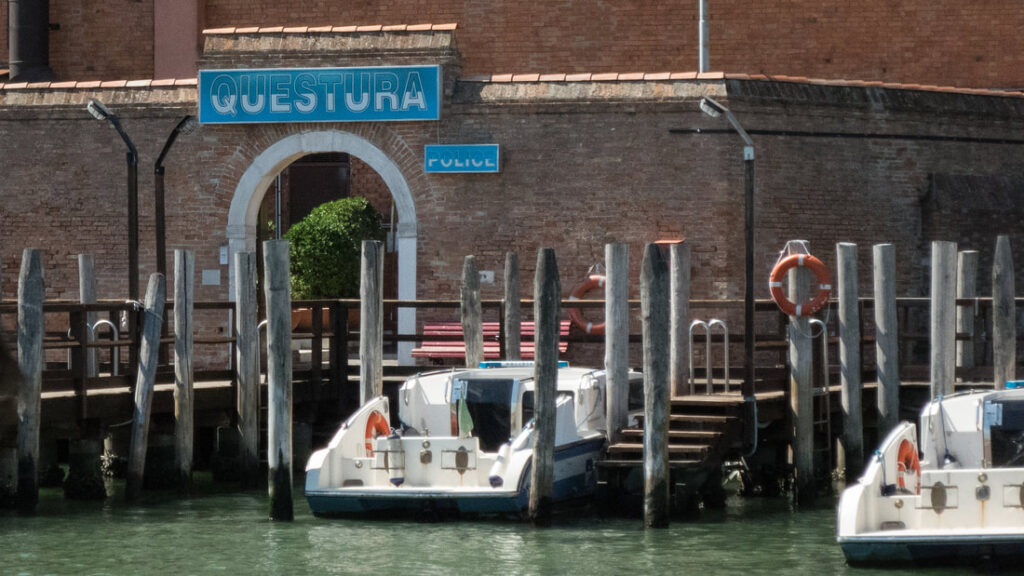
(229, 534)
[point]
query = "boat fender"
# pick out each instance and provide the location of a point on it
(499, 467)
(592, 282)
(808, 307)
(394, 460)
(376, 425)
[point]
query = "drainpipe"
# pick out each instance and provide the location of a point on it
(704, 57)
(29, 40)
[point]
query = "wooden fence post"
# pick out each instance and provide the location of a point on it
(547, 291)
(849, 358)
(87, 295)
(472, 313)
(31, 292)
(184, 428)
(616, 338)
(966, 287)
(801, 389)
(654, 304)
(943, 317)
(887, 342)
(247, 363)
(1004, 315)
(679, 331)
(152, 322)
(277, 287)
(513, 315)
(371, 318)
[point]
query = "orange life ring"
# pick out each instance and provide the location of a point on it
(907, 460)
(376, 425)
(593, 282)
(814, 265)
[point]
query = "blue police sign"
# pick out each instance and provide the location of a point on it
(456, 158)
(375, 94)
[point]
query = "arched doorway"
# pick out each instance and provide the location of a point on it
(248, 195)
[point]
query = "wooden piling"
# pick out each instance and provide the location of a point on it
(943, 318)
(152, 323)
(801, 391)
(849, 358)
(184, 428)
(887, 342)
(277, 288)
(616, 338)
(87, 295)
(247, 362)
(1004, 315)
(513, 315)
(472, 312)
(654, 303)
(31, 292)
(371, 321)
(679, 330)
(547, 292)
(966, 287)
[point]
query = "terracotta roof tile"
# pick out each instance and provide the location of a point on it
(186, 82)
(395, 28)
(212, 31)
(271, 29)
(318, 29)
(162, 82)
(344, 29)
(604, 77)
(476, 78)
(631, 76)
(683, 76)
(295, 30)
(16, 85)
(525, 77)
(38, 85)
(375, 28)
(711, 76)
(63, 85)
(248, 30)
(138, 83)
(419, 27)
(113, 84)
(89, 84)
(583, 77)
(552, 78)
(442, 27)
(657, 76)
(501, 78)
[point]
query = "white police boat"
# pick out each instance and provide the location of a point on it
(955, 497)
(462, 444)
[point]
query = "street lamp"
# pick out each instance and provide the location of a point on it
(186, 126)
(712, 108)
(101, 112)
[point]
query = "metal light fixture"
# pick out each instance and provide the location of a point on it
(714, 109)
(101, 112)
(187, 125)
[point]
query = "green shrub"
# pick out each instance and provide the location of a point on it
(325, 247)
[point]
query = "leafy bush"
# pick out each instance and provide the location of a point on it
(325, 246)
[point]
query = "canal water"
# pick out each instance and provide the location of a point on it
(229, 533)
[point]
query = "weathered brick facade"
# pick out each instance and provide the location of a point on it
(943, 42)
(586, 160)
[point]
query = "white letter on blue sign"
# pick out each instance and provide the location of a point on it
(330, 82)
(223, 95)
(248, 104)
(304, 90)
(385, 85)
(350, 90)
(414, 93)
(279, 91)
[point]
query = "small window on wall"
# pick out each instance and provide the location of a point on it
(314, 180)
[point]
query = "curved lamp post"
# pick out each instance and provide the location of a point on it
(712, 108)
(186, 126)
(101, 112)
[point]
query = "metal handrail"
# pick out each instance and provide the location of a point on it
(707, 352)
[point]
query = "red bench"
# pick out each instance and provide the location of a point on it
(438, 350)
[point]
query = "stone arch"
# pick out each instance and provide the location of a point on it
(245, 205)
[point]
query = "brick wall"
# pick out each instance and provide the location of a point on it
(943, 42)
(3, 35)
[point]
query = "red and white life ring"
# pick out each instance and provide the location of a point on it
(376, 425)
(907, 462)
(591, 283)
(803, 261)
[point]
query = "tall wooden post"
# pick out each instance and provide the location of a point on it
(1004, 315)
(887, 342)
(87, 295)
(849, 358)
(472, 313)
(513, 315)
(801, 389)
(654, 286)
(943, 317)
(247, 362)
(31, 292)
(679, 330)
(966, 287)
(184, 429)
(616, 338)
(152, 321)
(277, 287)
(371, 321)
(547, 292)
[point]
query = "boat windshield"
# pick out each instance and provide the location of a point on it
(489, 403)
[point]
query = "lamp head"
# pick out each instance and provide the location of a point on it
(711, 108)
(188, 125)
(98, 110)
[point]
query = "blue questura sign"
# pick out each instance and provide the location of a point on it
(375, 94)
(456, 158)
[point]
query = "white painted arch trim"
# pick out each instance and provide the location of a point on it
(245, 206)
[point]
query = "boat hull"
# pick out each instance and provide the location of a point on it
(949, 549)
